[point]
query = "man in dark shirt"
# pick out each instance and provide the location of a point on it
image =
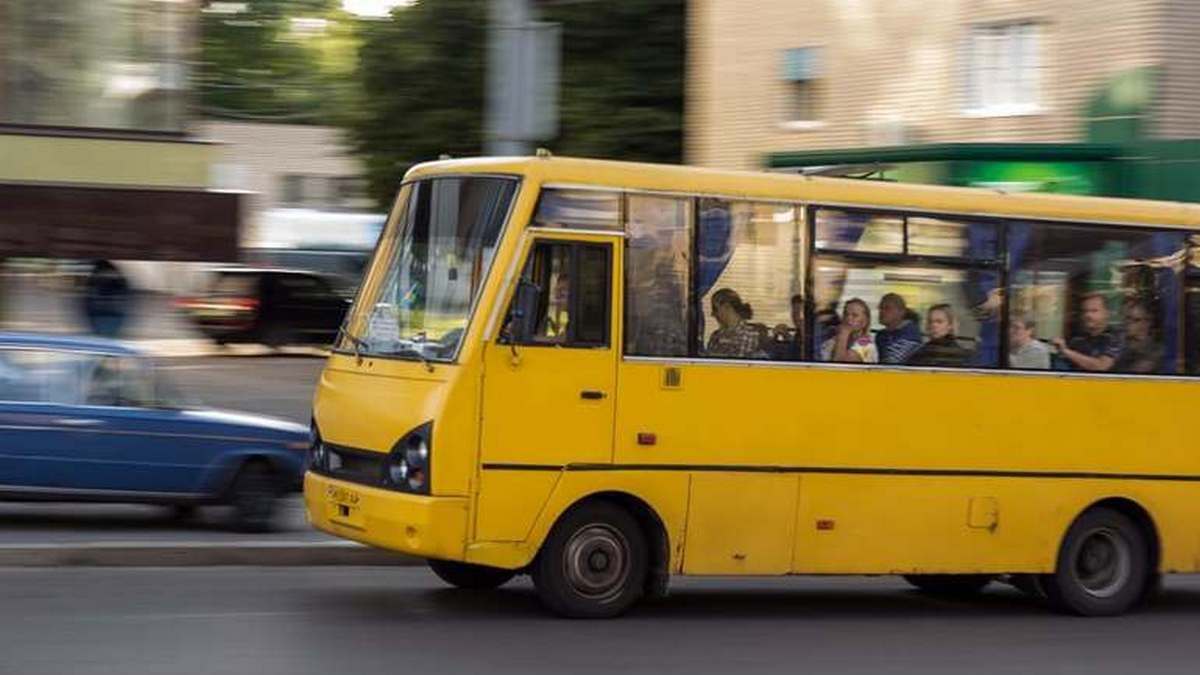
(788, 341)
(901, 336)
(1097, 349)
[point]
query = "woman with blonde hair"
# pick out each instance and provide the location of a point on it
(942, 348)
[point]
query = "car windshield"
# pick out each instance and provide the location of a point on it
(428, 268)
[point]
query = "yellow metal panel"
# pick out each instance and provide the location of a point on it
(429, 527)
(740, 523)
(54, 159)
(509, 503)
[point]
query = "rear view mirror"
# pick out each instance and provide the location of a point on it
(522, 318)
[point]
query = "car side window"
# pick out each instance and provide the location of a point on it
(40, 375)
(119, 381)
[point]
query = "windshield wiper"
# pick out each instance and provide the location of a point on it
(359, 343)
(425, 360)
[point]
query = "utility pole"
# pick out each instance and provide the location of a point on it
(522, 79)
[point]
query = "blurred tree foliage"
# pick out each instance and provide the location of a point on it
(422, 74)
(277, 61)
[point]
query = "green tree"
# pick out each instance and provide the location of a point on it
(622, 79)
(422, 73)
(260, 64)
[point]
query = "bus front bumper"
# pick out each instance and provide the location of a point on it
(427, 527)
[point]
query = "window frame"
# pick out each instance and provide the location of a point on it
(574, 299)
(998, 264)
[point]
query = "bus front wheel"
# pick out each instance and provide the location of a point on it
(469, 576)
(1103, 565)
(593, 564)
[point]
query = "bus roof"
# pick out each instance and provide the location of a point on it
(820, 190)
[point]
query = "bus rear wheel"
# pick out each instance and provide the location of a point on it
(469, 576)
(952, 585)
(1103, 566)
(593, 564)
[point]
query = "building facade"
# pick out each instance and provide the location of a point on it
(950, 91)
(97, 155)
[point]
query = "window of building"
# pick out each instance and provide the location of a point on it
(802, 84)
(749, 280)
(1003, 69)
(292, 189)
(657, 275)
(1098, 299)
(109, 64)
(905, 290)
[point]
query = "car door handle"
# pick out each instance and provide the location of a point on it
(591, 395)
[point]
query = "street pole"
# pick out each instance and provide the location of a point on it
(505, 85)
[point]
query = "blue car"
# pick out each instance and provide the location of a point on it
(87, 419)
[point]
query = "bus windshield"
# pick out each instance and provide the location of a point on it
(428, 267)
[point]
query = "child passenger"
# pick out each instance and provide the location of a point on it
(852, 343)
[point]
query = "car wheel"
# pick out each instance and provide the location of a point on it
(473, 577)
(1103, 566)
(949, 585)
(276, 337)
(253, 498)
(593, 564)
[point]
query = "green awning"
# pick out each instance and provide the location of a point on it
(940, 152)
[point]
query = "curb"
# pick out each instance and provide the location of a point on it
(198, 554)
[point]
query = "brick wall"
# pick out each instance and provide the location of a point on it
(895, 70)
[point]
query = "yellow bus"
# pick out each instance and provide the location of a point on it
(603, 374)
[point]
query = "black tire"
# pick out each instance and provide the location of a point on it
(276, 338)
(254, 496)
(469, 576)
(949, 585)
(183, 512)
(594, 563)
(1103, 566)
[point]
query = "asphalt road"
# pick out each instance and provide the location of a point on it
(401, 620)
(281, 386)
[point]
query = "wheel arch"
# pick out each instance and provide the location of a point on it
(1136, 512)
(658, 541)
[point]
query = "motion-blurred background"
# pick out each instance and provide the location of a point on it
(174, 135)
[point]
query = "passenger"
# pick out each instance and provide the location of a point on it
(787, 342)
(942, 349)
(1024, 349)
(1141, 353)
(1097, 349)
(900, 336)
(852, 342)
(734, 338)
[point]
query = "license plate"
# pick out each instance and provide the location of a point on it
(342, 496)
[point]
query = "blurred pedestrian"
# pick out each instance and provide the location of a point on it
(106, 299)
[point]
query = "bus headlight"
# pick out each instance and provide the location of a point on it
(318, 456)
(407, 466)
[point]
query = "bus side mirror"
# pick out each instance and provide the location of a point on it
(523, 317)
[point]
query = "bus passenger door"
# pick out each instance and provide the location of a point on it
(549, 379)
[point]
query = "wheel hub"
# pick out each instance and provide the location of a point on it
(596, 563)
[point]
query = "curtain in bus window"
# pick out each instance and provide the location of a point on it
(657, 275)
(1101, 299)
(755, 255)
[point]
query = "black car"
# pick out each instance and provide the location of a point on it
(271, 306)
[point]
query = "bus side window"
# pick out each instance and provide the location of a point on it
(572, 282)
